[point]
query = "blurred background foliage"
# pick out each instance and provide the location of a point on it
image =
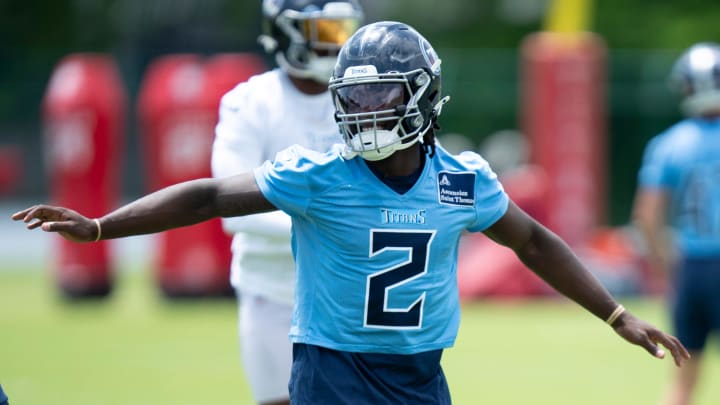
(478, 39)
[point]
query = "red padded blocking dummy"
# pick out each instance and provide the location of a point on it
(84, 113)
(178, 110)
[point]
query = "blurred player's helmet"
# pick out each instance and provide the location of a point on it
(306, 35)
(696, 75)
(386, 89)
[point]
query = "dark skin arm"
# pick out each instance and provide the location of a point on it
(172, 207)
(552, 259)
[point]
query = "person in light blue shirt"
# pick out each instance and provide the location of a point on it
(404, 246)
(679, 188)
(376, 227)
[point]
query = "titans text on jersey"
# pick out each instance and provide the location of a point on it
(400, 216)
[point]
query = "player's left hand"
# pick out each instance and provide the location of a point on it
(641, 333)
(68, 223)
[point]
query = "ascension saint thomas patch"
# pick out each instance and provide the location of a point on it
(456, 188)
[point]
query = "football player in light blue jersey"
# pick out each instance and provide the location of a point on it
(402, 250)
(376, 226)
(679, 187)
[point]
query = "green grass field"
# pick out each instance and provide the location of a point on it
(139, 349)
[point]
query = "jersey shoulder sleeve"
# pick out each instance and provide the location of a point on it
(661, 154)
(297, 175)
(491, 200)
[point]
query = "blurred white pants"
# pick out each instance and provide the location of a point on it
(264, 346)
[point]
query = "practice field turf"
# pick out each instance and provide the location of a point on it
(139, 349)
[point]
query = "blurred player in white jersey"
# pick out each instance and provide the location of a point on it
(284, 106)
(679, 188)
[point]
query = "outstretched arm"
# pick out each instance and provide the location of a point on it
(552, 259)
(172, 207)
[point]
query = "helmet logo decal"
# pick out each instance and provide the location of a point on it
(360, 71)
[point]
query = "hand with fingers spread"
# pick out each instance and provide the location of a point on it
(641, 333)
(66, 222)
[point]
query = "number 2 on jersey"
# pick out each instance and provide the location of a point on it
(380, 285)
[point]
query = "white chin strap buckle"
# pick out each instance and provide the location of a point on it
(437, 109)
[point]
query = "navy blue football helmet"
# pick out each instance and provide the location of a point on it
(696, 75)
(306, 35)
(386, 89)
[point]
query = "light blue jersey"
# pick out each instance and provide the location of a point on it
(685, 161)
(376, 269)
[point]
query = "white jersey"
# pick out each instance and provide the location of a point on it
(259, 118)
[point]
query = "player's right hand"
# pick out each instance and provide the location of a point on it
(66, 222)
(643, 334)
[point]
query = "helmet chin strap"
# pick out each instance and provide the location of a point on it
(355, 148)
(437, 108)
(389, 139)
(383, 153)
(380, 153)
